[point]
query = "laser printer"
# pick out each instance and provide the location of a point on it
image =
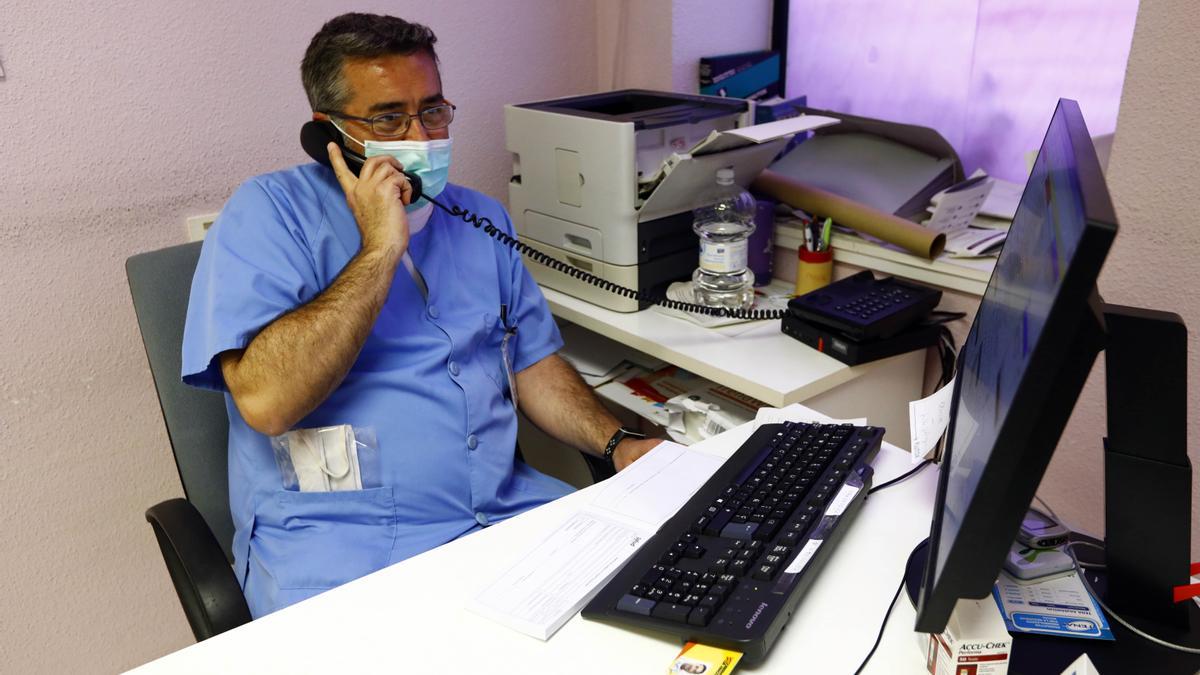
(606, 182)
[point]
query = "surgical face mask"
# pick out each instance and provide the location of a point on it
(430, 160)
(325, 459)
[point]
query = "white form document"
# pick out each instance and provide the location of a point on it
(543, 590)
(800, 413)
(927, 421)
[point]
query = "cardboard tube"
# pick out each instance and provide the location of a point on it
(892, 229)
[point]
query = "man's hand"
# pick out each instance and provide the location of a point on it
(376, 198)
(630, 449)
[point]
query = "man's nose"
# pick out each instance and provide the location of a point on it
(416, 130)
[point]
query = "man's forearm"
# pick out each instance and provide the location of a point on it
(298, 360)
(559, 402)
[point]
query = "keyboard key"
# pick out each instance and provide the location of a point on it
(719, 566)
(635, 605)
(764, 572)
(700, 616)
(719, 521)
(671, 611)
(768, 528)
(691, 599)
(739, 530)
(694, 551)
(739, 567)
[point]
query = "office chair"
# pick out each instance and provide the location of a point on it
(194, 534)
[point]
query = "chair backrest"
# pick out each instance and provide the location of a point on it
(197, 424)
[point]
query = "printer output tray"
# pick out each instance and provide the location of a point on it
(689, 176)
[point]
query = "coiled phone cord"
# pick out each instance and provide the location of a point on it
(485, 223)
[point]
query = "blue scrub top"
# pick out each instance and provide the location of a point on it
(430, 381)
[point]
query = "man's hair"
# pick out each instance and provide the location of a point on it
(356, 36)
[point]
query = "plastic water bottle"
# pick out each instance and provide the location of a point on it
(724, 219)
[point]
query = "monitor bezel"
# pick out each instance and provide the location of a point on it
(1039, 411)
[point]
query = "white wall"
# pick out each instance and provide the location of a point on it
(657, 44)
(117, 121)
(1153, 175)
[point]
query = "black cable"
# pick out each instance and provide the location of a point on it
(881, 627)
(900, 478)
(570, 270)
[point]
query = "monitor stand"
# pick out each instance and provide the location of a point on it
(1147, 497)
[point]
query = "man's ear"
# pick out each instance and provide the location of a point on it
(320, 117)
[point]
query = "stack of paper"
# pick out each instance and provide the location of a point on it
(600, 359)
(556, 579)
(770, 297)
(975, 215)
(723, 141)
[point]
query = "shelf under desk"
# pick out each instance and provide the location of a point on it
(763, 362)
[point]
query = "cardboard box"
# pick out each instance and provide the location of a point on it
(975, 641)
(772, 109)
(752, 75)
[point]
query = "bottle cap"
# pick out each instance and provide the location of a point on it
(725, 176)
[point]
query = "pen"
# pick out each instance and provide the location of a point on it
(825, 233)
(808, 240)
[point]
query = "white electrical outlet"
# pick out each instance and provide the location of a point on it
(197, 226)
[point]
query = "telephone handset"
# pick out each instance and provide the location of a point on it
(316, 134)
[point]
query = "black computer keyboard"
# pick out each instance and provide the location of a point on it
(729, 568)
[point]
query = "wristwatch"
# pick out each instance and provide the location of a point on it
(616, 439)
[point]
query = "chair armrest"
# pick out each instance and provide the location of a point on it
(208, 590)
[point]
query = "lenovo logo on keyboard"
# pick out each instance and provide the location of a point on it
(757, 613)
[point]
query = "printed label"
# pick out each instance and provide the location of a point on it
(723, 257)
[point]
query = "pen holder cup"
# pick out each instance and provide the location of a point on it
(814, 270)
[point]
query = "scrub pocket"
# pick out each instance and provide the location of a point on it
(318, 540)
(491, 352)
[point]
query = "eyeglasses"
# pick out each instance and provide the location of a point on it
(393, 124)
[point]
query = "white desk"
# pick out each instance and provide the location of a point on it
(409, 617)
(764, 363)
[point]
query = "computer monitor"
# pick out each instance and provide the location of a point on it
(1035, 337)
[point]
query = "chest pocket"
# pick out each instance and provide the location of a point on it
(490, 352)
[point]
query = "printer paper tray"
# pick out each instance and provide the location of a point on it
(690, 176)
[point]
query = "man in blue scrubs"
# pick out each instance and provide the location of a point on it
(325, 298)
